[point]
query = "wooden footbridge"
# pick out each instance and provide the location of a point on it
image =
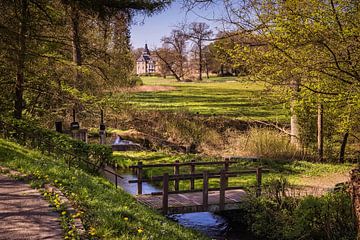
(193, 200)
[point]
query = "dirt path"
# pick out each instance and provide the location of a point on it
(328, 181)
(24, 214)
(317, 186)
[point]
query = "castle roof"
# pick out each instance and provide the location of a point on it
(145, 56)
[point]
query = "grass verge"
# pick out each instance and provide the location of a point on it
(108, 213)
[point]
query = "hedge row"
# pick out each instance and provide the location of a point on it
(74, 151)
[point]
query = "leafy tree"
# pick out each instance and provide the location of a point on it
(308, 50)
(37, 50)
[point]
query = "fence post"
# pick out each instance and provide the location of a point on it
(116, 179)
(139, 177)
(205, 190)
(258, 181)
(176, 172)
(165, 193)
(192, 171)
(222, 189)
(226, 169)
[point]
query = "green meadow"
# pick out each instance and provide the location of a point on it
(227, 96)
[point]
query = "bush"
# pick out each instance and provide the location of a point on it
(29, 134)
(135, 81)
(329, 217)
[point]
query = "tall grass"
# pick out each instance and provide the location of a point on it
(268, 143)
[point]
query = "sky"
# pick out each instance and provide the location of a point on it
(157, 26)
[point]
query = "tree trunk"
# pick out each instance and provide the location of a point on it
(221, 70)
(343, 146)
(207, 69)
(294, 124)
(168, 65)
(320, 135)
(200, 60)
(355, 195)
(19, 84)
(76, 47)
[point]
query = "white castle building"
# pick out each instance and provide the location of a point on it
(146, 64)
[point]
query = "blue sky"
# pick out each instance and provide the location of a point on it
(155, 27)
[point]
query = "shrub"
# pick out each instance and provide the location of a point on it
(29, 134)
(329, 217)
(135, 81)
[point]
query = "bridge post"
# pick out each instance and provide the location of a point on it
(205, 190)
(226, 168)
(222, 190)
(176, 172)
(139, 177)
(165, 202)
(258, 181)
(192, 171)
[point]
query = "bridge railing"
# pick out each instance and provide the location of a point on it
(223, 175)
(139, 168)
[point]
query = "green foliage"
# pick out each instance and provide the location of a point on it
(329, 217)
(28, 133)
(135, 81)
(106, 212)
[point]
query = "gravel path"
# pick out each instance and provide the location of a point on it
(24, 214)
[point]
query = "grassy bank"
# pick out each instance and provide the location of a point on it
(108, 213)
(227, 96)
(297, 172)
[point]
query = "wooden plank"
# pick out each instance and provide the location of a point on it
(205, 189)
(192, 172)
(196, 176)
(165, 200)
(183, 164)
(176, 172)
(198, 190)
(222, 190)
(226, 169)
(139, 178)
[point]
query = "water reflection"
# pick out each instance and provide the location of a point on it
(132, 187)
(208, 223)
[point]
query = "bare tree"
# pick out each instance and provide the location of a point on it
(198, 32)
(173, 53)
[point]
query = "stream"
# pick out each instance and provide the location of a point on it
(213, 225)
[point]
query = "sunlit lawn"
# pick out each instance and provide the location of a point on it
(229, 96)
